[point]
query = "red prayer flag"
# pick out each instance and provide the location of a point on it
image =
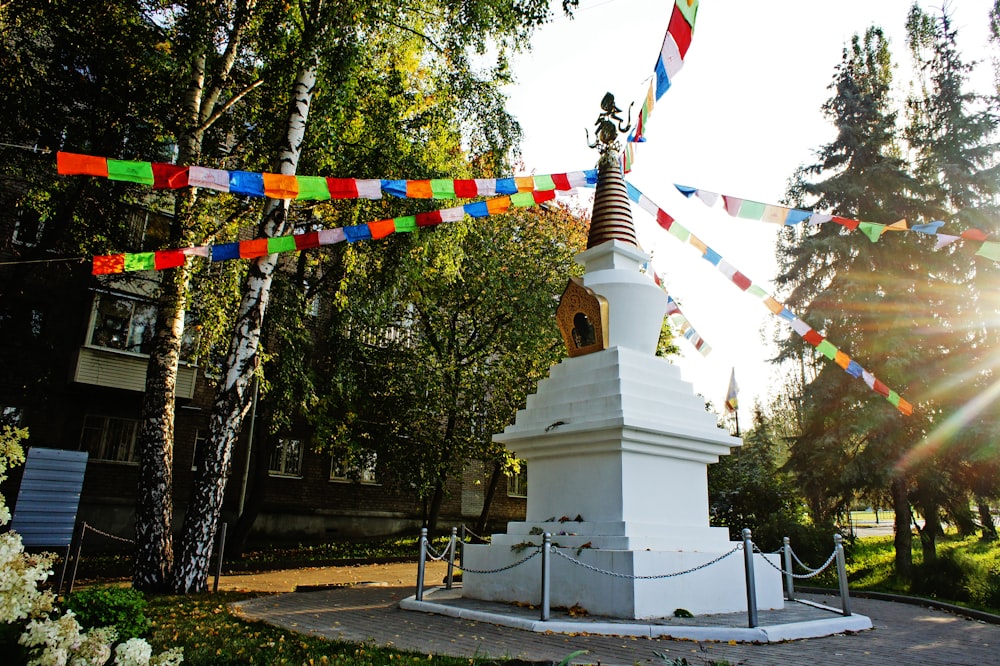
(466, 189)
(844, 222)
(342, 188)
(168, 259)
(169, 176)
(680, 30)
(72, 164)
(109, 263)
(741, 281)
(812, 337)
(881, 388)
(253, 248)
(382, 228)
(975, 234)
(663, 219)
(561, 181)
(428, 219)
(307, 240)
(544, 195)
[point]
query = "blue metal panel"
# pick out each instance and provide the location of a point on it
(49, 496)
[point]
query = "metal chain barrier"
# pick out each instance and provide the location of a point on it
(509, 566)
(87, 526)
(812, 572)
(434, 555)
(474, 535)
(649, 577)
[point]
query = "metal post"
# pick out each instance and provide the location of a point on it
(751, 585)
(845, 593)
(451, 558)
(461, 540)
(420, 564)
(76, 557)
(218, 562)
(789, 579)
(546, 549)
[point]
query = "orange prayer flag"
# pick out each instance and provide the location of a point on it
(110, 263)
(419, 189)
(72, 164)
(253, 248)
(382, 228)
(280, 186)
(498, 205)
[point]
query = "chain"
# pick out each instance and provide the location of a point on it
(476, 536)
(812, 572)
(434, 555)
(652, 577)
(110, 536)
(509, 566)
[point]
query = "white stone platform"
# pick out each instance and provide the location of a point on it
(799, 619)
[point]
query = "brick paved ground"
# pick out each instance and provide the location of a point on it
(903, 634)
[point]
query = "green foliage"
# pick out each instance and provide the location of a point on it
(120, 607)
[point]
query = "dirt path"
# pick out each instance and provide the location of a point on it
(286, 580)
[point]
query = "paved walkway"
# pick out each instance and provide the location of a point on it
(368, 611)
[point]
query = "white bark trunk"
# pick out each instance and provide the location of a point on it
(232, 399)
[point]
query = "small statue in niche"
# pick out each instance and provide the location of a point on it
(583, 330)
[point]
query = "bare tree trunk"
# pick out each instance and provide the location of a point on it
(986, 520)
(232, 399)
(903, 538)
(491, 491)
(434, 512)
(929, 533)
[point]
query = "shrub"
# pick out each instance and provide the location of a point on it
(120, 607)
(946, 578)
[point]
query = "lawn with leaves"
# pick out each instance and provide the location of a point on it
(211, 634)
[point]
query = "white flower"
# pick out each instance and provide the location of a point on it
(133, 652)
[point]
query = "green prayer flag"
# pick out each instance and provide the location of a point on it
(404, 224)
(679, 231)
(751, 210)
(312, 188)
(442, 188)
(544, 183)
(990, 250)
(281, 244)
(871, 229)
(133, 172)
(757, 291)
(140, 261)
(522, 199)
(827, 349)
(893, 398)
(689, 10)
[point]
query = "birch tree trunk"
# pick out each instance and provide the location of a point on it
(232, 400)
(155, 441)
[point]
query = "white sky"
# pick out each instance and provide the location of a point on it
(741, 115)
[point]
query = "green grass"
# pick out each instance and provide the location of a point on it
(211, 634)
(967, 572)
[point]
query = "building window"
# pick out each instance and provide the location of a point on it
(110, 438)
(28, 228)
(517, 482)
(287, 458)
(359, 468)
(122, 323)
(200, 441)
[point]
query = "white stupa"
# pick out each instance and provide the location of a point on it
(617, 448)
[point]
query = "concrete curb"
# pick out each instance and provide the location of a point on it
(837, 624)
(970, 613)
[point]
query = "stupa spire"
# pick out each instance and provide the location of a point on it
(611, 218)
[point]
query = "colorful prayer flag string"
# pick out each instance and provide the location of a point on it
(248, 249)
(312, 188)
(677, 319)
(669, 60)
(775, 214)
(810, 335)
